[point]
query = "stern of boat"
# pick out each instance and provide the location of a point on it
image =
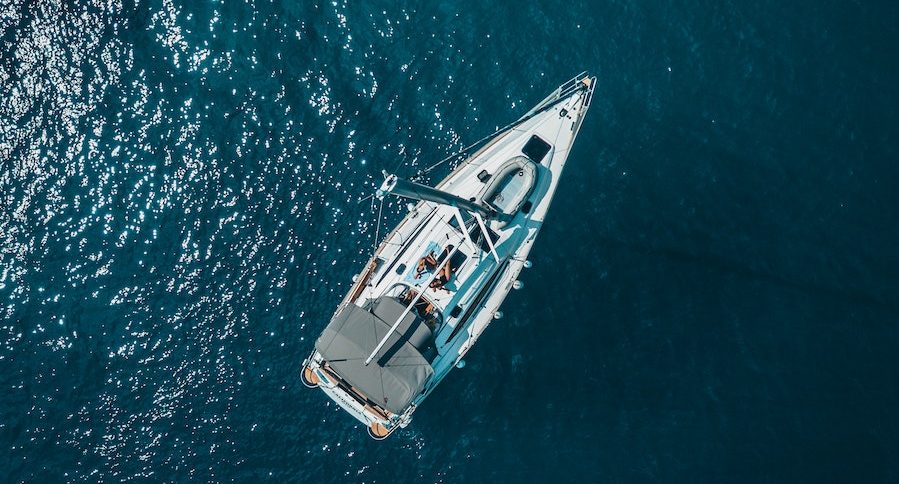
(378, 422)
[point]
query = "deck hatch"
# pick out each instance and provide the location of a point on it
(526, 208)
(536, 149)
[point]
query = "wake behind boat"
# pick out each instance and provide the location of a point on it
(438, 279)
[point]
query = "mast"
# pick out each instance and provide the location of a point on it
(416, 191)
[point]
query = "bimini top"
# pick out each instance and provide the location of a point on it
(399, 371)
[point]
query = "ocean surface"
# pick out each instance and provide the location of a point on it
(714, 296)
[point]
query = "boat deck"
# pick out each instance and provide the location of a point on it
(421, 261)
(450, 262)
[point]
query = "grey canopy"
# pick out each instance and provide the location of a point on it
(398, 372)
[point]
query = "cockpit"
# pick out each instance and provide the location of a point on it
(424, 308)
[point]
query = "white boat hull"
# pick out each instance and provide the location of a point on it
(487, 274)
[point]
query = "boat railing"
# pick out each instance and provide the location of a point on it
(363, 281)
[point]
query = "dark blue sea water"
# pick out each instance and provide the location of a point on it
(714, 296)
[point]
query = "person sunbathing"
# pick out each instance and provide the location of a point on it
(426, 263)
(443, 277)
(429, 262)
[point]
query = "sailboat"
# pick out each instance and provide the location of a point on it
(438, 279)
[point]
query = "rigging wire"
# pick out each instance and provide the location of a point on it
(378, 225)
(374, 249)
(461, 153)
(562, 94)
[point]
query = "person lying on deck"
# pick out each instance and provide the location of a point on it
(429, 262)
(443, 277)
